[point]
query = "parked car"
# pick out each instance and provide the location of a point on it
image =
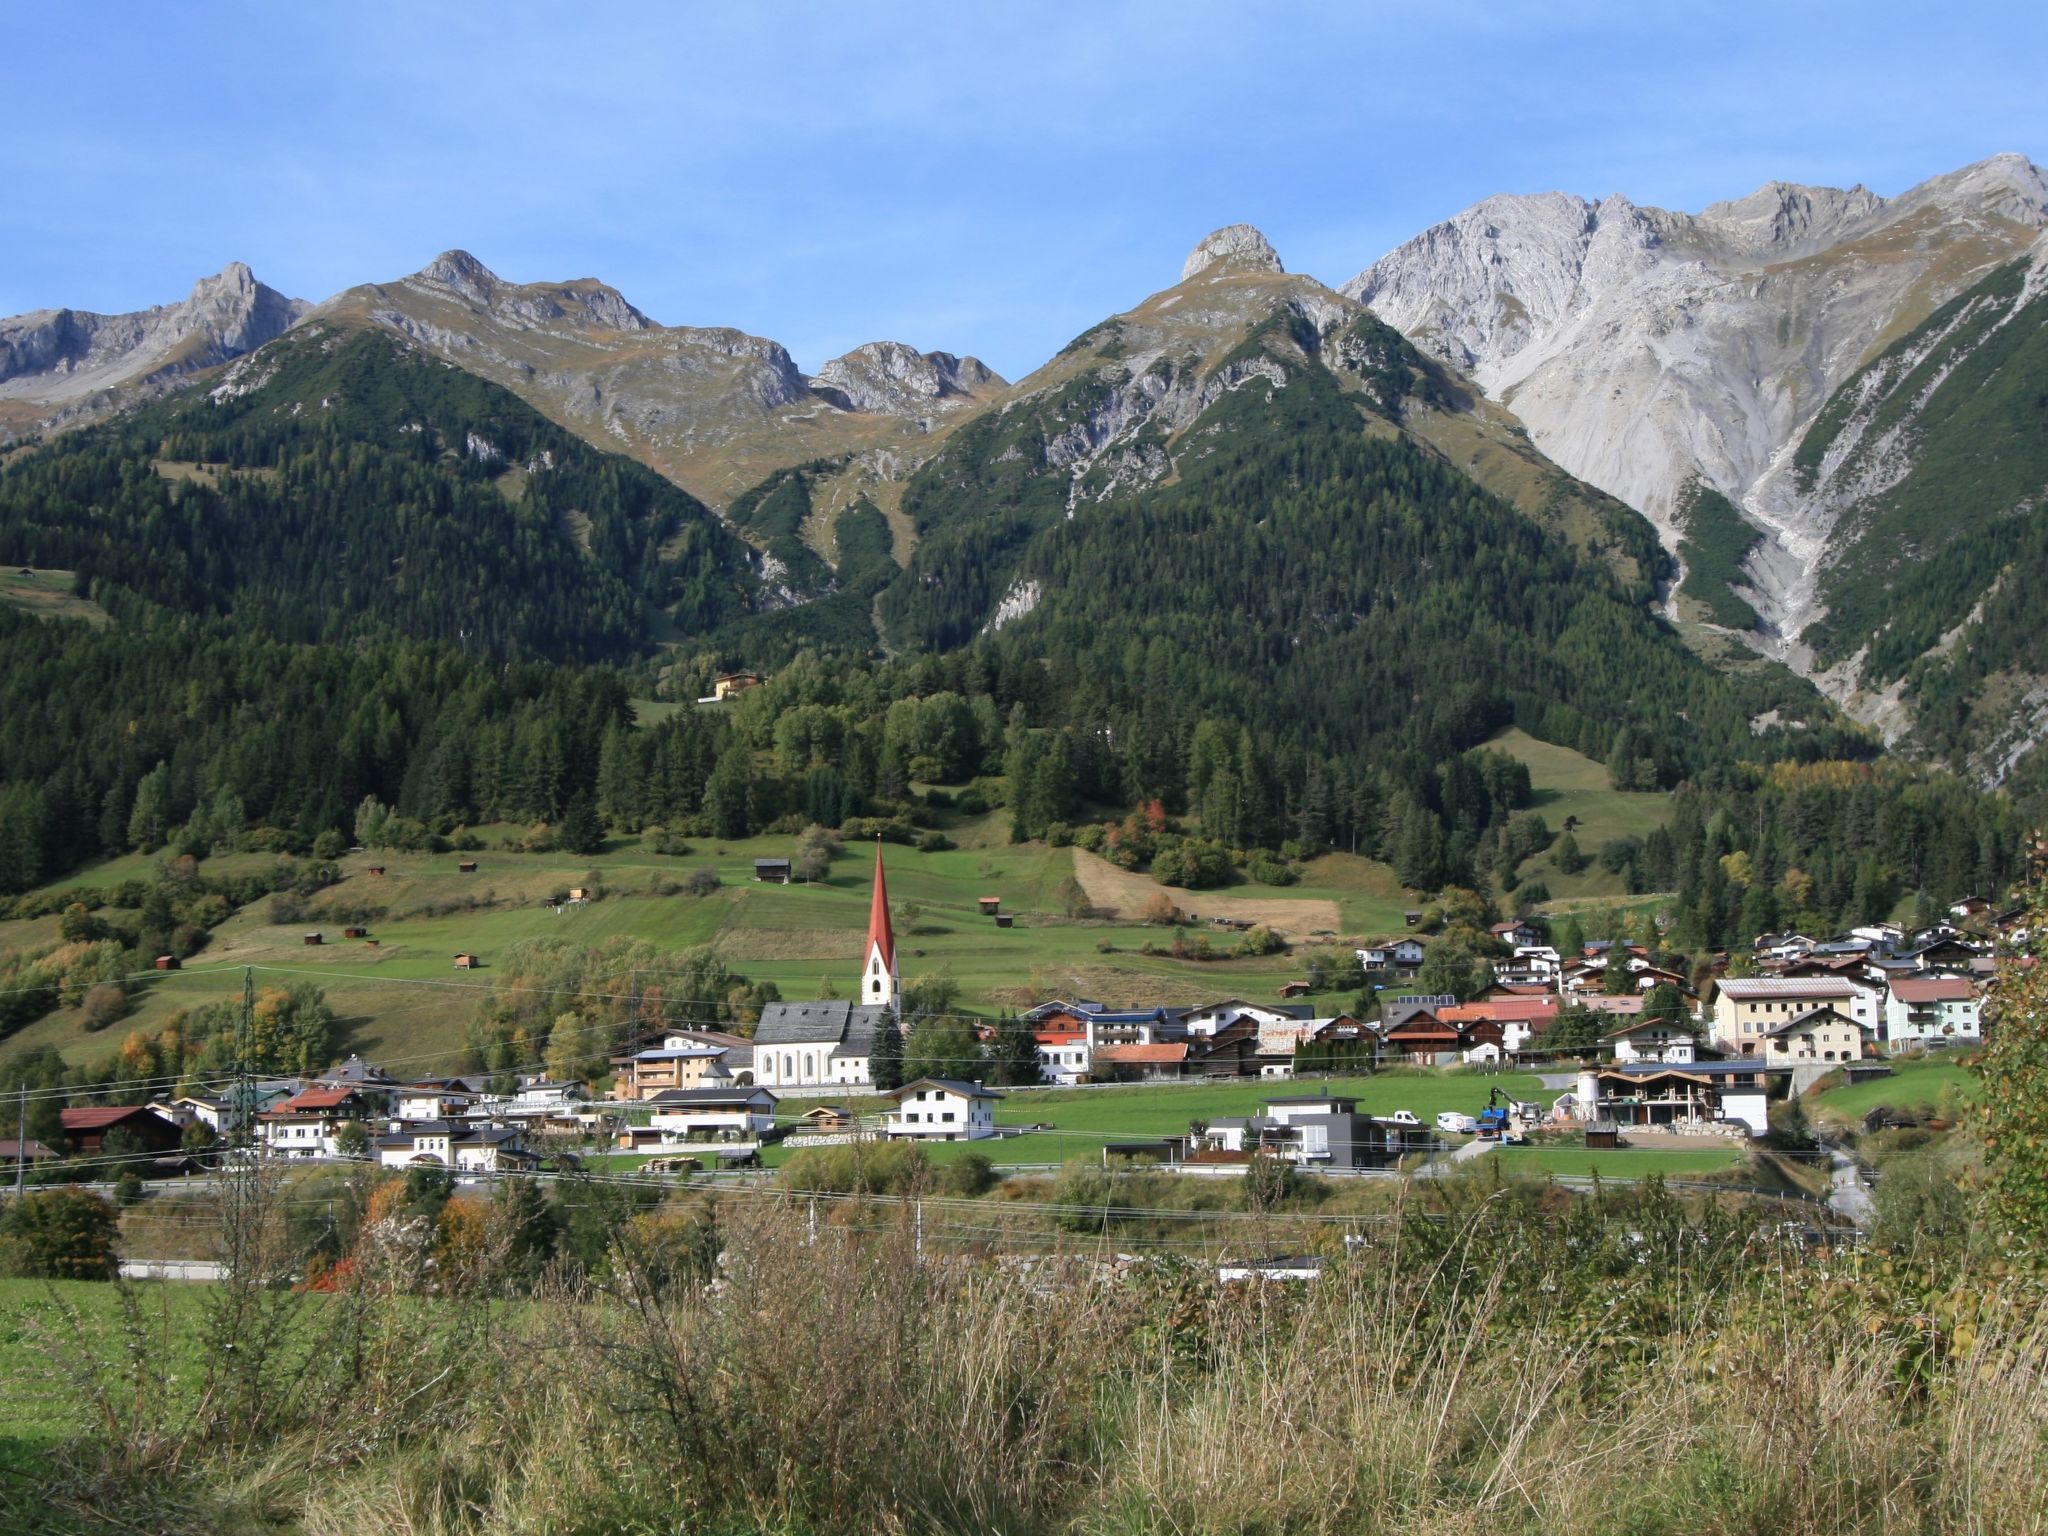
(1403, 1117)
(1455, 1124)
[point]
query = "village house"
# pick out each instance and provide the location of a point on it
(829, 1120)
(730, 1114)
(1746, 1009)
(1062, 1056)
(1923, 1011)
(443, 1098)
(463, 1147)
(1162, 1062)
(86, 1130)
(942, 1109)
(28, 1153)
(1819, 1034)
(308, 1124)
(1211, 1017)
(661, 1068)
(1669, 1041)
(1705, 1093)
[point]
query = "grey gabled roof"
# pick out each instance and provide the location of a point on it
(707, 1098)
(949, 1085)
(822, 1023)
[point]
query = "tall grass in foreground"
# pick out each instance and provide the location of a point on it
(1505, 1371)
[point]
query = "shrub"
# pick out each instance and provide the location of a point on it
(702, 882)
(104, 1004)
(934, 842)
(1271, 872)
(60, 1234)
(859, 1167)
(287, 907)
(971, 802)
(969, 1174)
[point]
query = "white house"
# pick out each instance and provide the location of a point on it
(1400, 955)
(308, 1124)
(453, 1144)
(1674, 1043)
(435, 1099)
(735, 1114)
(1210, 1017)
(1062, 1056)
(1921, 1011)
(942, 1109)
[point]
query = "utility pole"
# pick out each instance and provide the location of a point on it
(20, 1139)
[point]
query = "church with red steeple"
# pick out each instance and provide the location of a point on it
(878, 982)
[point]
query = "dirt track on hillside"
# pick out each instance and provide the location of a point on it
(1128, 895)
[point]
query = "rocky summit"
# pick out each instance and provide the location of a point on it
(1237, 245)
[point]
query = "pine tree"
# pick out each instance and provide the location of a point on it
(885, 1060)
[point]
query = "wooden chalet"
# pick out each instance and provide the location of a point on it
(772, 871)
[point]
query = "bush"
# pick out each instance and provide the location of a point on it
(104, 1004)
(969, 1174)
(934, 842)
(856, 1168)
(60, 1234)
(1271, 872)
(702, 882)
(971, 802)
(665, 841)
(287, 907)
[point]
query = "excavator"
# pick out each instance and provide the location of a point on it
(1497, 1120)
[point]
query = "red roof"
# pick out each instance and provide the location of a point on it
(1933, 989)
(321, 1097)
(1140, 1055)
(1501, 1010)
(100, 1116)
(880, 934)
(1058, 1036)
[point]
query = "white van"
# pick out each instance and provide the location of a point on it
(1454, 1124)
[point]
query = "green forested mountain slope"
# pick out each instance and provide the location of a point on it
(1938, 455)
(1260, 531)
(343, 485)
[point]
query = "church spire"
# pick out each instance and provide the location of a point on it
(878, 976)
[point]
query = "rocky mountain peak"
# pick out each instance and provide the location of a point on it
(581, 302)
(66, 364)
(1239, 245)
(890, 377)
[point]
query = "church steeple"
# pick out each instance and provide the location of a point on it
(878, 983)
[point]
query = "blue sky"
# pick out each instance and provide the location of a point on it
(984, 178)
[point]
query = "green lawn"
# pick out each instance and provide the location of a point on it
(1621, 1162)
(46, 1327)
(1912, 1085)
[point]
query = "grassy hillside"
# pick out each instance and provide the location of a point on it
(1568, 784)
(400, 997)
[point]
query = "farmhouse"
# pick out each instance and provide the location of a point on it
(1062, 1055)
(659, 1069)
(86, 1130)
(1140, 1063)
(442, 1098)
(772, 871)
(942, 1109)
